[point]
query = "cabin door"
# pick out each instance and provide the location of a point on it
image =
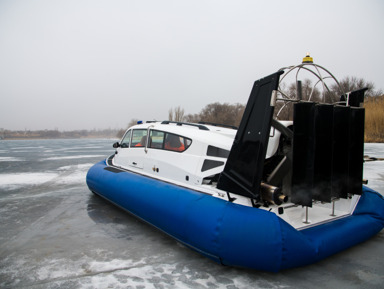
(132, 153)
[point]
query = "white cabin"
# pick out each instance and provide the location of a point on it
(192, 154)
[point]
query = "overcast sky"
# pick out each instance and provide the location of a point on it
(98, 64)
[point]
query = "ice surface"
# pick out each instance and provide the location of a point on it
(374, 170)
(54, 233)
(374, 173)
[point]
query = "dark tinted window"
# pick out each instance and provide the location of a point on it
(210, 164)
(217, 152)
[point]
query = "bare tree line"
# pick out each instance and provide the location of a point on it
(231, 114)
(176, 114)
(311, 93)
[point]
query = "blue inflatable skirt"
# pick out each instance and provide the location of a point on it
(232, 234)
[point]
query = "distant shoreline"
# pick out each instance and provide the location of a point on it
(56, 134)
(57, 138)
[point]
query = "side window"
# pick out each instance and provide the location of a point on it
(157, 139)
(176, 143)
(168, 141)
(139, 138)
(126, 140)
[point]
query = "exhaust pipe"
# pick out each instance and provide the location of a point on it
(272, 194)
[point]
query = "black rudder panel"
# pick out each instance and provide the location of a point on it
(244, 168)
(323, 152)
(340, 151)
(303, 153)
(356, 150)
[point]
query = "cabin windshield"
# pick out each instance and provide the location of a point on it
(126, 140)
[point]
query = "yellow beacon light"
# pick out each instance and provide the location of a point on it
(308, 59)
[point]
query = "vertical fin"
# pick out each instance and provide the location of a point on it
(323, 152)
(244, 168)
(303, 153)
(356, 151)
(340, 164)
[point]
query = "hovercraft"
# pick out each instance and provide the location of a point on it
(282, 190)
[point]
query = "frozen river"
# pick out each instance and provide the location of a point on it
(54, 233)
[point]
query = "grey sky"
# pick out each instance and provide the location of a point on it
(98, 64)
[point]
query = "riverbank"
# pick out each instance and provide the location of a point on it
(374, 119)
(56, 134)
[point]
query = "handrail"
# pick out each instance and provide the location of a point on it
(202, 127)
(218, 124)
(147, 142)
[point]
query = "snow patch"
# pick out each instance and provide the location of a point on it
(22, 179)
(77, 174)
(10, 159)
(73, 157)
(80, 166)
